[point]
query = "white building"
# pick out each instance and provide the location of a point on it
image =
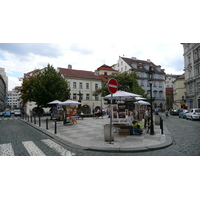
(141, 66)
(192, 73)
(14, 99)
(82, 84)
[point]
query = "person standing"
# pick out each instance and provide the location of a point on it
(147, 116)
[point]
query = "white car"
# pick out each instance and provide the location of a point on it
(193, 113)
(17, 112)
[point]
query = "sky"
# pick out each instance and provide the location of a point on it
(88, 34)
(20, 58)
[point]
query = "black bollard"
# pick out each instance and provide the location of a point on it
(31, 119)
(34, 119)
(55, 127)
(46, 123)
(39, 122)
(28, 118)
(161, 125)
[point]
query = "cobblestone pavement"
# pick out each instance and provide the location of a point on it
(18, 139)
(185, 135)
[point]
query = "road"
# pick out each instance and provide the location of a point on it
(18, 138)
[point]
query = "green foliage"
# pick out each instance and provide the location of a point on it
(45, 86)
(126, 82)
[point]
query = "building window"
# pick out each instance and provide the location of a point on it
(74, 96)
(68, 83)
(96, 98)
(87, 86)
(106, 73)
(87, 96)
(74, 85)
(80, 86)
(96, 85)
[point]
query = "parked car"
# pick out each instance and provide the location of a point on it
(182, 113)
(17, 112)
(174, 112)
(7, 113)
(1, 114)
(193, 113)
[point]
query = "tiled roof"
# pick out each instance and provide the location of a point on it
(181, 76)
(106, 67)
(141, 63)
(104, 77)
(78, 73)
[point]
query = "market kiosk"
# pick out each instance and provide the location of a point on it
(122, 119)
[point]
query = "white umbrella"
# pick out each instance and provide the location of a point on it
(70, 103)
(122, 95)
(142, 102)
(55, 102)
(139, 98)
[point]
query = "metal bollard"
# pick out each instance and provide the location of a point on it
(34, 119)
(39, 122)
(46, 123)
(28, 118)
(161, 125)
(31, 118)
(55, 127)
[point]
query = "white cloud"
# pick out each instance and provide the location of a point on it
(13, 82)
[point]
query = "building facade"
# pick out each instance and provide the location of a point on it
(82, 84)
(192, 73)
(2, 94)
(3, 89)
(14, 99)
(141, 67)
(179, 92)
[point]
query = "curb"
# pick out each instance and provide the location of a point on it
(165, 144)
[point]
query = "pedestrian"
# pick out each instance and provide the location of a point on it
(147, 116)
(166, 113)
(137, 127)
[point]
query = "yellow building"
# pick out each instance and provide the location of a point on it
(179, 91)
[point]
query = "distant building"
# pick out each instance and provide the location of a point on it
(141, 66)
(3, 89)
(169, 84)
(179, 92)
(192, 73)
(14, 99)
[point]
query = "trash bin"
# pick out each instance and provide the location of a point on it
(157, 119)
(107, 133)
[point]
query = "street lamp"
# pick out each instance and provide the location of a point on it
(150, 76)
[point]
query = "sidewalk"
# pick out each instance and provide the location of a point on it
(89, 135)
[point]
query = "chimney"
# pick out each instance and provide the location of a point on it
(69, 66)
(148, 60)
(134, 58)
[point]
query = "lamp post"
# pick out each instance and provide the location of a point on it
(150, 75)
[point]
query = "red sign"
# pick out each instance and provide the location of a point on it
(112, 85)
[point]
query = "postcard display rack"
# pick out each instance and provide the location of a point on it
(120, 114)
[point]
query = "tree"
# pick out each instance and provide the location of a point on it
(45, 86)
(126, 82)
